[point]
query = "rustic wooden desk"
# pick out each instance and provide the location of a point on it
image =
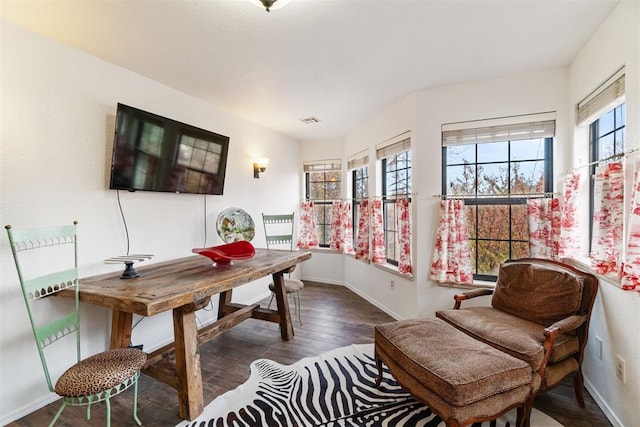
(186, 285)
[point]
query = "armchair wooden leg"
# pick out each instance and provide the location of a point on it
(578, 386)
(524, 412)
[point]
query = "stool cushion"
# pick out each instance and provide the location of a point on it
(290, 285)
(452, 365)
(100, 372)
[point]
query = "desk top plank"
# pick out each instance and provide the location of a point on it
(171, 284)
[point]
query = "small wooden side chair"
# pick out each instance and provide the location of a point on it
(97, 378)
(278, 230)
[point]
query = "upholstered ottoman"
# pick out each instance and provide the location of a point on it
(461, 379)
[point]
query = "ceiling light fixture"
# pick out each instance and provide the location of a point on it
(270, 4)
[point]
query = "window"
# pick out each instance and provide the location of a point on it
(495, 178)
(606, 141)
(395, 157)
(358, 165)
(323, 186)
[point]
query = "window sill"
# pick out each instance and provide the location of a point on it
(475, 285)
(390, 268)
(324, 250)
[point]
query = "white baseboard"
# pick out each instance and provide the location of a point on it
(373, 302)
(606, 409)
(322, 280)
(27, 409)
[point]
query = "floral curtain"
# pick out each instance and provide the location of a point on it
(544, 227)
(307, 236)
(378, 249)
(606, 242)
(569, 226)
(341, 227)
(404, 235)
(362, 239)
(452, 257)
(631, 267)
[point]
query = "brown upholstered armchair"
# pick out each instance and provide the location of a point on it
(539, 313)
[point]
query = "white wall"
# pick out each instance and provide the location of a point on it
(616, 315)
(57, 121)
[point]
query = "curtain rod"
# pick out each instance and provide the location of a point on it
(612, 157)
(494, 196)
(351, 199)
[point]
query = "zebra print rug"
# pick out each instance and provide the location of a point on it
(335, 389)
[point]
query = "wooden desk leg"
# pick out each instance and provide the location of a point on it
(121, 324)
(190, 396)
(286, 326)
(223, 299)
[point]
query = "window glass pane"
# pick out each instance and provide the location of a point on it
(606, 147)
(473, 248)
(619, 140)
(527, 149)
(490, 255)
(493, 152)
(519, 222)
(460, 154)
(605, 123)
(527, 177)
(493, 222)
(461, 179)
(492, 179)
(519, 250)
(470, 211)
(620, 113)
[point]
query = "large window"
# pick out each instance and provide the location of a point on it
(495, 178)
(395, 160)
(323, 185)
(606, 136)
(604, 111)
(358, 166)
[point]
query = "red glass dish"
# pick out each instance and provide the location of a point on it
(225, 254)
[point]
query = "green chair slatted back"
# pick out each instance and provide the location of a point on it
(278, 222)
(36, 288)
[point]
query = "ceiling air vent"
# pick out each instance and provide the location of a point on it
(310, 120)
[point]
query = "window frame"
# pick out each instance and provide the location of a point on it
(499, 200)
(355, 199)
(594, 153)
(388, 202)
(331, 166)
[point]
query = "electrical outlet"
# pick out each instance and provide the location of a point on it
(392, 284)
(599, 347)
(620, 368)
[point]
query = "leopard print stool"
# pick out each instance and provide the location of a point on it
(101, 372)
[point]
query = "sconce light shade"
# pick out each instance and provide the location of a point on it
(259, 166)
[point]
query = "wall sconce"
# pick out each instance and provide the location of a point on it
(259, 166)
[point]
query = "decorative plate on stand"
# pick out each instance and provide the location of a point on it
(235, 224)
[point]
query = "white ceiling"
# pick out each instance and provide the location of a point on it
(338, 60)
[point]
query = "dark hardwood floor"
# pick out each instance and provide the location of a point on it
(332, 316)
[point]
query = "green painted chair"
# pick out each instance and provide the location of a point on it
(88, 381)
(278, 230)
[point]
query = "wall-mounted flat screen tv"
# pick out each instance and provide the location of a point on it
(154, 153)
